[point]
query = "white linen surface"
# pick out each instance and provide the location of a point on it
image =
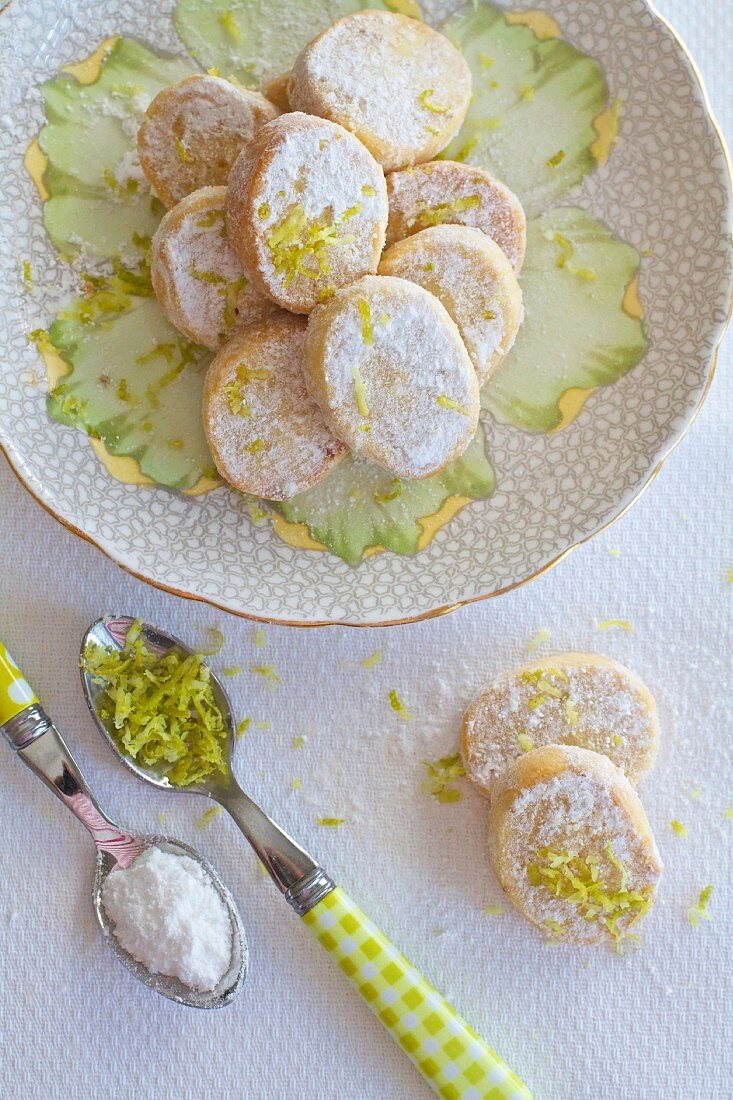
(575, 1024)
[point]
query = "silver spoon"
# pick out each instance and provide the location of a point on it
(437, 1040)
(29, 730)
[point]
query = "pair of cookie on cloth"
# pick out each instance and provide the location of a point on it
(281, 210)
(557, 747)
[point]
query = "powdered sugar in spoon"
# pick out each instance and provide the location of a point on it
(28, 729)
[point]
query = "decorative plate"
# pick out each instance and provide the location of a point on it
(592, 112)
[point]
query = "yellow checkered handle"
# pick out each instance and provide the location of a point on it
(452, 1058)
(16, 694)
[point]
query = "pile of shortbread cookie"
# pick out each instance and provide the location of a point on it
(272, 253)
(557, 747)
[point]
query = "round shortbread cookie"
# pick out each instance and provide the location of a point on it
(570, 699)
(194, 131)
(266, 434)
(396, 83)
(572, 846)
(306, 210)
(198, 279)
(276, 90)
(387, 366)
(444, 192)
(473, 279)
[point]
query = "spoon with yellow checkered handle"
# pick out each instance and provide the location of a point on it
(450, 1055)
(32, 735)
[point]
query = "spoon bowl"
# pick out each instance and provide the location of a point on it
(231, 982)
(112, 631)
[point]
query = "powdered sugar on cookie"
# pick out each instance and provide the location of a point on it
(306, 210)
(388, 368)
(396, 83)
(444, 192)
(197, 277)
(194, 131)
(473, 279)
(266, 434)
(569, 699)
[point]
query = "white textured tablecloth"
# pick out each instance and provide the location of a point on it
(575, 1024)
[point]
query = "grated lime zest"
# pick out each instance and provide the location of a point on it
(440, 776)
(161, 711)
(207, 817)
(425, 98)
(397, 706)
(446, 402)
(372, 660)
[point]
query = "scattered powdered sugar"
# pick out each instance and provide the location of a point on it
(595, 704)
(473, 279)
(266, 433)
(168, 915)
(392, 375)
(402, 87)
(445, 192)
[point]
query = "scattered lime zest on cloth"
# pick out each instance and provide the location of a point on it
(331, 822)
(264, 725)
(696, 792)
(542, 635)
(232, 670)
(297, 785)
(728, 814)
(678, 828)
(372, 660)
(730, 575)
(243, 727)
(267, 672)
(299, 741)
(556, 158)
(207, 817)
(396, 705)
(577, 880)
(27, 275)
(161, 711)
(163, 818)
(526, 743)
(493, 910)
(614, 552)
(259, 638)
(622, 624)
(215, 640)
(617, 740)
(700, 911)
(441, 773)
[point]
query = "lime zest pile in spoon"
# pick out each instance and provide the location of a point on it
(161, 711)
